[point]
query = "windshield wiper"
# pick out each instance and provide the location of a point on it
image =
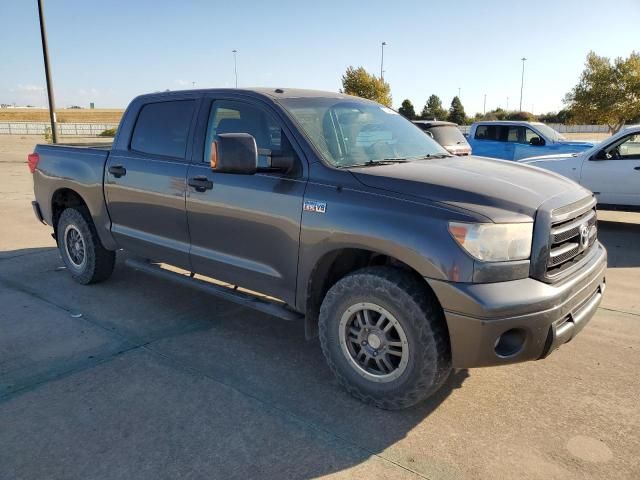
(429, 156)
(373, 163)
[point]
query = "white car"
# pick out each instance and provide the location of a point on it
(610, 169)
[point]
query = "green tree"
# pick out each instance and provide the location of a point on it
(407, 110)
(358, 82)
(607, 92)
(456, 112)
(433, 109)
(563, 116)
(521, 116)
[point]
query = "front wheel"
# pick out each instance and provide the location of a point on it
(384, 337)
(80, 247)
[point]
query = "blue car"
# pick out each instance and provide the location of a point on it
(511, 140)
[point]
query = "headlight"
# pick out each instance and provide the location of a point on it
(494, 242)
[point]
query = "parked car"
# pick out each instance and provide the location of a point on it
(610, 169)
(406, 260)
(446, 134)
(511, 140)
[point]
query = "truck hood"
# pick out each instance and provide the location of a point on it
(578, 143)
(503, 191)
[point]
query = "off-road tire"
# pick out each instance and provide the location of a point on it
(420, 315)
(99, 261)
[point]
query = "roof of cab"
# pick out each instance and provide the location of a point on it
(275, 93)
(434, 123)
(508, 122)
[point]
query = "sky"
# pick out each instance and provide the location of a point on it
(107, 52)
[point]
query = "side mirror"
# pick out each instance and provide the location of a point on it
(234, 153)
(537, 142)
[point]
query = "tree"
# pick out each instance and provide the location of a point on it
(521, 116)
(563, 116)
(358, 82)
(607, 92)
(456, 112)
(433, 109)
(407, 110)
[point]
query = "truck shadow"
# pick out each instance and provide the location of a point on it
(265, 359)
(622, 241)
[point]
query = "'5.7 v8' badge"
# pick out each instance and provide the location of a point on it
(314, 206)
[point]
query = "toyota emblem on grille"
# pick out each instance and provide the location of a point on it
(584, 236)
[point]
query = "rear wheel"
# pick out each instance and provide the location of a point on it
(384, 337)
(82, 252)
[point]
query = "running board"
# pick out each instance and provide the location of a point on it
(269, 307)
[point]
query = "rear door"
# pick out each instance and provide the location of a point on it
(613, 173)
(145, 182)
(492, 141)
(245, 229)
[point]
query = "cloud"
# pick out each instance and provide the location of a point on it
(183, 83)
(90, 92)
(29, 88)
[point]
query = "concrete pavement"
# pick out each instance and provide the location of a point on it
(139, 378)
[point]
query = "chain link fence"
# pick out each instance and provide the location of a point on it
(561, 128)
(64, 129)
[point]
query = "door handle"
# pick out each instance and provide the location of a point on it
(117, 171)
(200, 183)
(637, 168)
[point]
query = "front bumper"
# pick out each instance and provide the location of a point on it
(537, 317)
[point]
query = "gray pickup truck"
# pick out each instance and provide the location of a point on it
(334, 210)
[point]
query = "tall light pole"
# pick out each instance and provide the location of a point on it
(484, 107)
(458, 93)
(507, 104)
(235, 65)
(382, 45)
(47, 74)
(522, 82)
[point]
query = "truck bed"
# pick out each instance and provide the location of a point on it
(79, 168)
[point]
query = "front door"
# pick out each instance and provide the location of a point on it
(145, 184)
(245, 229)
(613, 173)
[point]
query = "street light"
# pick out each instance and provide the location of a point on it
(382, 61)
(484, 107)
(47, 74)
(235, 65)
(522, 82)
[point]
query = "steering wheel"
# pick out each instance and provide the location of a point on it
(614, 154)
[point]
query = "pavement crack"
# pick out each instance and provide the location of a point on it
(635, 314)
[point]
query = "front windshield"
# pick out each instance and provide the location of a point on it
(549, 132)
(352, 132)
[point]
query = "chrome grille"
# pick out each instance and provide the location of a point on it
(571, 237)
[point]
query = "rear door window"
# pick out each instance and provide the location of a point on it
(486, 132)
(163, 128)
